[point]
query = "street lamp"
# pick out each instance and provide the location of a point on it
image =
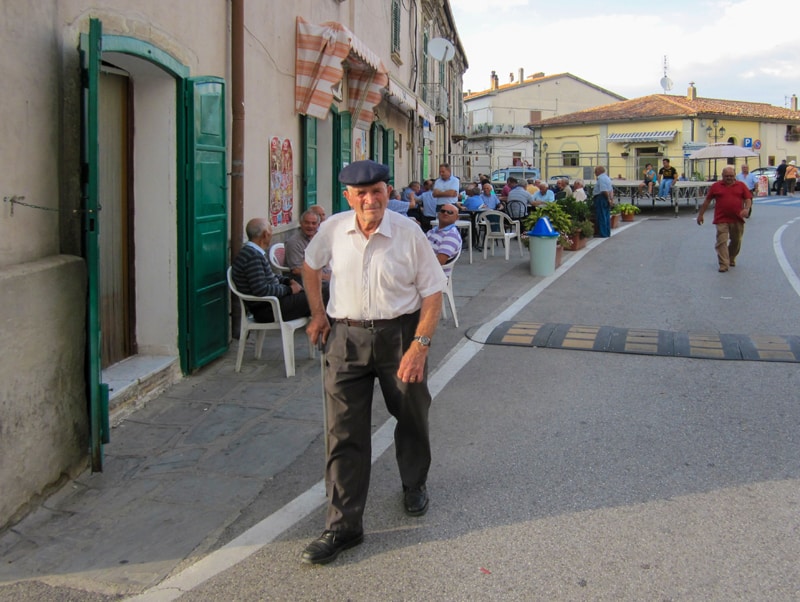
(717, 132)
(544, 157)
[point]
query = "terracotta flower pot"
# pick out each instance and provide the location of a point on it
(627, 217)
(615, 220)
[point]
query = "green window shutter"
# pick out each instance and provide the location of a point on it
(309, 125)
(425, 91)
(376, 142)
(388, 153)
(396, 26)
(345, 157)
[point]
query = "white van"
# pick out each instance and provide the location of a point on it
(500, 176)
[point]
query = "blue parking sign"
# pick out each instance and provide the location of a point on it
(748, 143)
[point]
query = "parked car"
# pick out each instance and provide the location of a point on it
(500, 176)
(770, 172)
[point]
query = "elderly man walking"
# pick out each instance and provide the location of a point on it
(385, 301)
(732, 206)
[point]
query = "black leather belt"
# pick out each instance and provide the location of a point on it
(368, 323)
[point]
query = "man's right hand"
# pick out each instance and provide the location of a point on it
(318, 329)
(295, 286)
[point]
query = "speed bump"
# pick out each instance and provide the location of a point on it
(644, 341)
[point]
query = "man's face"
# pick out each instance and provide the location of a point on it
(265, 239)
(368, 201)
(728, 177)
(416, 187)
(543, 188)
(665, 163)
(320, 212)
(309, 225)
(448, 214)
(487, 189)
(444, 173)
(745, 169)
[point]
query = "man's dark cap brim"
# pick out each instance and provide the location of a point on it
(363, 173)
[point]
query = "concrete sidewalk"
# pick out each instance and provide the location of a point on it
(204, 461)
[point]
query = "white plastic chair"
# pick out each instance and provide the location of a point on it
(447, 293)
(286, 328)
(277, 258)
(503, 228)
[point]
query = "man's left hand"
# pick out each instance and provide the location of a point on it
(412, 365)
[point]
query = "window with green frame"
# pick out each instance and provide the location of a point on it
(396, 26)
(570, 158)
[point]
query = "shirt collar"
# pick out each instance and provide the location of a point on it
(250, 243)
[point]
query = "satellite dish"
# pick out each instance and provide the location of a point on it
(666, 84)
(441, 49)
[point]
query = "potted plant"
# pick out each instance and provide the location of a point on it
(559, 219)
(627, 211)
(581, 227)
(615, 217)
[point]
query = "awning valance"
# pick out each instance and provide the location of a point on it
(322, 51)
(662, 136)
(399, 95)
(426, 112)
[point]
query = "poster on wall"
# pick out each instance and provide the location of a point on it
(281, 176)
(359, 145)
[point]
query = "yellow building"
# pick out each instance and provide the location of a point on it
(624, 136)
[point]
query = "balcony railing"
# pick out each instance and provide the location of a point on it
(435, 96)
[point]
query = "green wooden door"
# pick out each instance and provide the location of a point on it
(97, 392)
(204, 240)
(388, 153)
(309, 161)
(342, 155)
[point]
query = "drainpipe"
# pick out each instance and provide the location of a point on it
(237, 145)
(237, 133)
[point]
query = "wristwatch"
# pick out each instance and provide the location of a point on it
(424, 341)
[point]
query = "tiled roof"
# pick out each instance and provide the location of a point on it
(536, 80)
(666, 106)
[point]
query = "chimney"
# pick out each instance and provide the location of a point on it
(522, 76)
(794, 102)
(692, 94)
(495, 81)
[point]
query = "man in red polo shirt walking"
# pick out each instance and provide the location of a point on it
(733, 201)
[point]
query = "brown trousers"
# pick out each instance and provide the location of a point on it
(729, 243)
(355, 357)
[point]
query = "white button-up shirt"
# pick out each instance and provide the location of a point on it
(377, 278)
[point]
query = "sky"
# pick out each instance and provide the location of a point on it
(745, 50)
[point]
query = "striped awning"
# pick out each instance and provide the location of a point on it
(643, 136)
(322, 51)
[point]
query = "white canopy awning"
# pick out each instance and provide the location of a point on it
(662, 136)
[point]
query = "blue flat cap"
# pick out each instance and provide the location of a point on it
(361, 173)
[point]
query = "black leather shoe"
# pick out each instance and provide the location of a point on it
(415, 500)
(327, 546)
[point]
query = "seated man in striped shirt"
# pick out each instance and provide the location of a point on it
(253, 275)
(445, 238)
